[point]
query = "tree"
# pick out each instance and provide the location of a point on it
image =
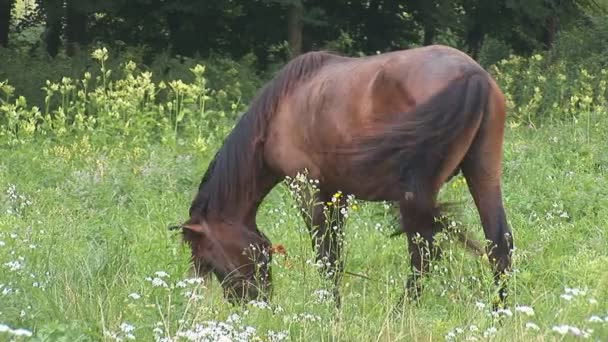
(543, 18)
(76, 24)
(526, 24)
(295, 14)
(239, 27)
(6, 7)
(53, 10)
(433, 16)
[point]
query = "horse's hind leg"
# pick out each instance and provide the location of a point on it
(418, 219)
(421, 215)
(482, 170)
(326, 236)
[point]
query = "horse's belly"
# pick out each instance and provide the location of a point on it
(374, 187)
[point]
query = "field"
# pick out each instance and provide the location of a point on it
(86, 255)
(85, 202)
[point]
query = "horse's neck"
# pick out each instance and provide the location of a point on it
(265, 182)
(243, 209)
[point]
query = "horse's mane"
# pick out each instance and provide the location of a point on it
(231, 174)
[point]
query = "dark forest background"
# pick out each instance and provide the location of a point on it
(250, 39)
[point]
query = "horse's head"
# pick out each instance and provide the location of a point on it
(238, 256)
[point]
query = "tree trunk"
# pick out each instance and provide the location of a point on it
(295, 13)
(76, 26)
(183, 37)
(429, 34)
(52, 33)
(551, 27)
(5, 20)
(474, 40)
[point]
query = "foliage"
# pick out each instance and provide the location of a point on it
(232, 28)
(586, 43)
(174, 97)
(538, 92)
(131, 105)
(493, 51)
(566, 83)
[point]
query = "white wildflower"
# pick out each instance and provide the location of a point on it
(126, 327)
(489, 332)
(16, 332)
(505, 312)
(564, 329)
(575, 291)
(525, 309)
(304, 317)
(14, 265)
(22, 332)
(134, 295)
(259, 304)
(157, 282)
(277, 336)
(234, 318)
(532, 326)
(193, 295)
(192, 281)
(322, 295)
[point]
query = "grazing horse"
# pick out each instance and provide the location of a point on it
(390, 127)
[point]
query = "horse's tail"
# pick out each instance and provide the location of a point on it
(416, 143)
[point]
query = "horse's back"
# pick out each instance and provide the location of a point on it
(345, 98)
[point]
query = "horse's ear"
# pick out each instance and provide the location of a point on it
(200, 228)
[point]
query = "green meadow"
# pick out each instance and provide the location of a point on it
(90, 183)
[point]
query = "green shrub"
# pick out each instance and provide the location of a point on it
(563, 84)
(28, 72)
(538, 92)
(175, 97)
(492, 51)
(126, 102)
(584, 44)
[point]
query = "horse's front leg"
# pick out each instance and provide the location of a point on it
(325, 228)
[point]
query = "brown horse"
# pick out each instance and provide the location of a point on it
(392, 127)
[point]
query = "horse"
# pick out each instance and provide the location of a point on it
(390, 127)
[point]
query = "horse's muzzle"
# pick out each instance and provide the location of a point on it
(244, 291)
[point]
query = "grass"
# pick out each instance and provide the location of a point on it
(85, 254)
